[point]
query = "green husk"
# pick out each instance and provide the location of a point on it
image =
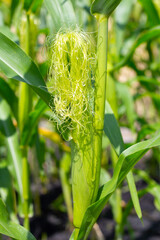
(71, 77)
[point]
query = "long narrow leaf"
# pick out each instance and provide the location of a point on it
(12, 229)
(122, 14)
(22, 68)
(112, 131)
(151, 11)
(9, 131)
(7, 93)
(148, 35)
(125, 163)
(6, 190)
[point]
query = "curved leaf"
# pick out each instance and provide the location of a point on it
(7, 32)
(125, 163)
(12, 229)
(9, 131)
(151, 11)
(21, 67)
(7, 93)
(6, 189)
(148, 35)
(113, 132)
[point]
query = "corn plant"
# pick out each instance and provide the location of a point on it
(83, 107)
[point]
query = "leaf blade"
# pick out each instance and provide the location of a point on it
(22, 68)
(8, 130)
(148, 35)
(128, 158)
(12, 229)
(7, 93)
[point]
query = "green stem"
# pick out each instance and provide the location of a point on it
(24, 90)
(100, 85)
(25, 104)
(25, 184)
(86, 155)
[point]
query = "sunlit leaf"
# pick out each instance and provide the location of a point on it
(125, 163)
(21, 67)
(12, 229)
(148, 35)
(9, 131)
(7, 93)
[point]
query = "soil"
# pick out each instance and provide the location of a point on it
(53, 224)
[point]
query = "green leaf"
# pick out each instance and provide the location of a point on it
(112, 131)
(6, 190)
(149, 83)
(21, 67)
(74, 234)
(134, 195)
(62, 13)
(127, 99)
(128, 209)
(7, 32)
(148, 35)
(105, 7)
(153, 187)
(147, 129)
(27, 4)
(122, 14)
(104, 176)
(7, 93)
(36, 5)
(125, 163)
(30, 125)
(12, 229)
(151, 11)
(33, 5)
(14, 5)
(9, 131)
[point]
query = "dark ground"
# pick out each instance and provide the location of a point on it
(53, 224)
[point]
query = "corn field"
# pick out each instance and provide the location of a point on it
(80, 119)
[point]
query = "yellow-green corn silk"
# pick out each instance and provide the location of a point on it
(70, 77)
